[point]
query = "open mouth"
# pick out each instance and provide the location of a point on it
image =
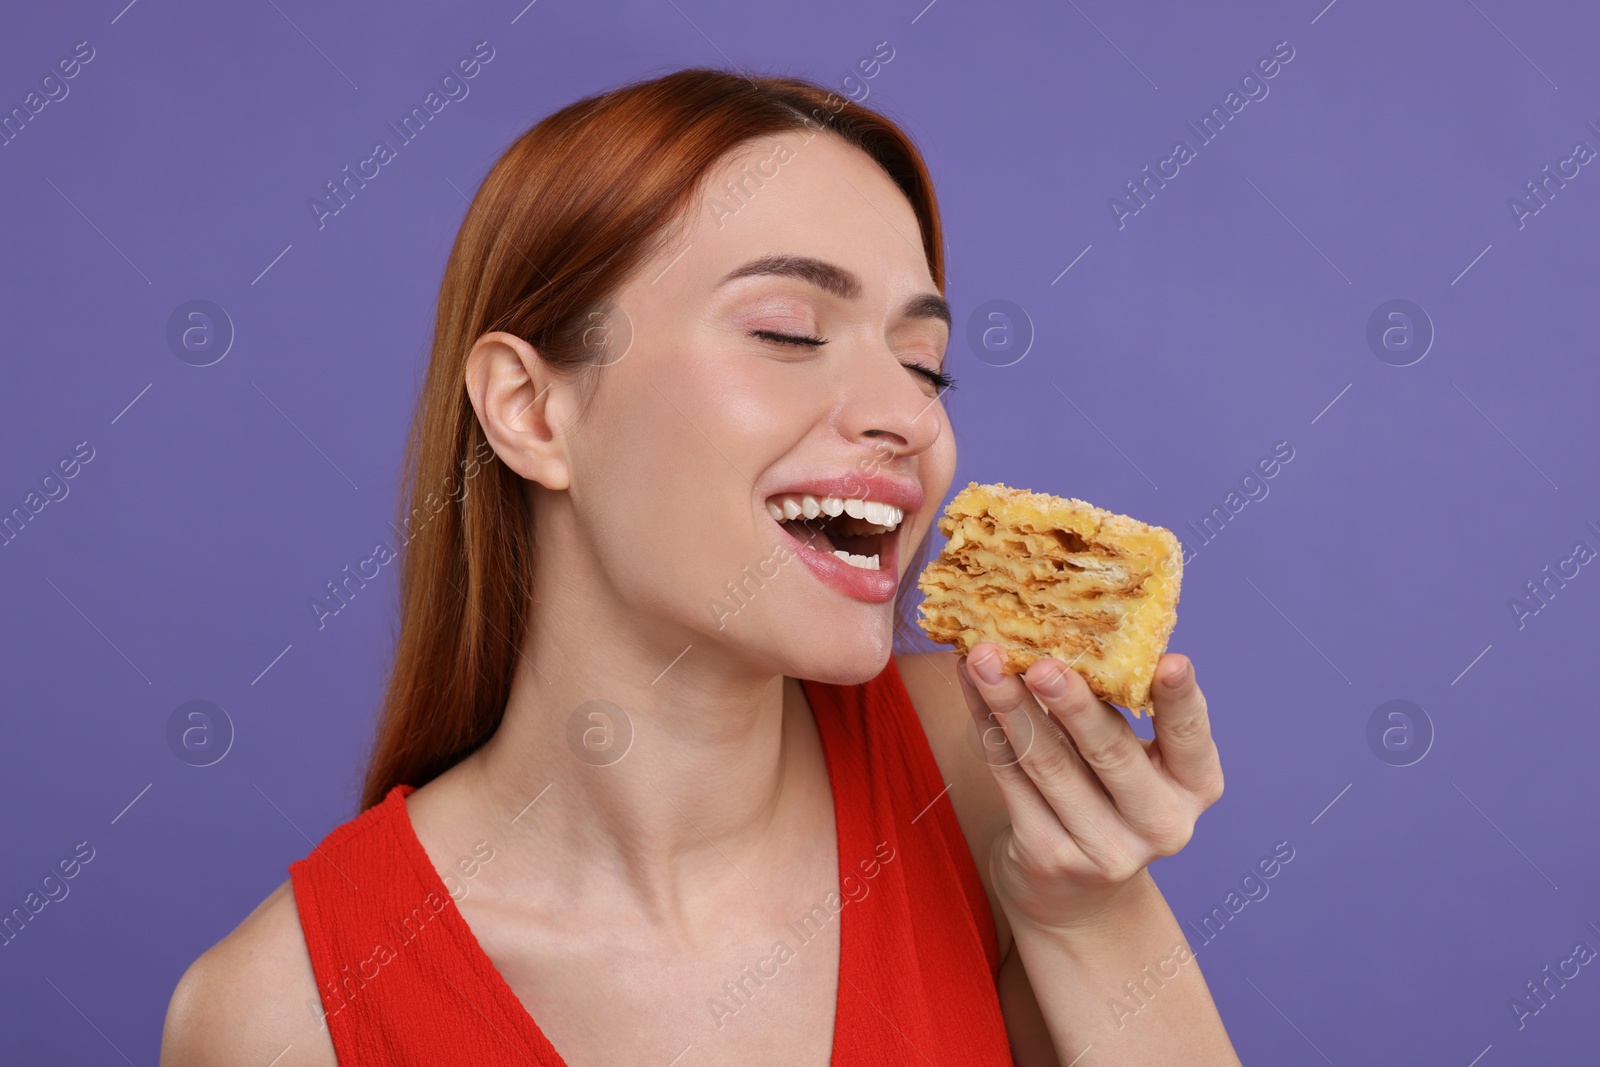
(856, 531)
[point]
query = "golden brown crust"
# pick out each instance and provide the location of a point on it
(1046, 576)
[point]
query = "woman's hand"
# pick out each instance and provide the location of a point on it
(1091, 802)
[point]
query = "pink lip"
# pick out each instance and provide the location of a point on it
(872, 586)
(875, 587)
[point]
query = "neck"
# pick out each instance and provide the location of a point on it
(642, 760)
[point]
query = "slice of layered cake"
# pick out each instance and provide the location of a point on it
(1046, 576)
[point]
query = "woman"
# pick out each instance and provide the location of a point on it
(684, 324)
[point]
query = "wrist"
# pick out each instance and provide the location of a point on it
(1103, 912)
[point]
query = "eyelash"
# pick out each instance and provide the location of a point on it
(940, 379)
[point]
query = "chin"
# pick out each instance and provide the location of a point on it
(838, 654)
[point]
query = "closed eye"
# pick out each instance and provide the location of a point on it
(787, 338)
(941, 380)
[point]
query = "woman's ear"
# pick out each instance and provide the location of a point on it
(524, 406)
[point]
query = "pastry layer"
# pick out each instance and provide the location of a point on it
(1054, 576)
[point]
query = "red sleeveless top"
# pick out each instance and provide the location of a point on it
(918, 956)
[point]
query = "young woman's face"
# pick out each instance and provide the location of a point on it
(708, 432)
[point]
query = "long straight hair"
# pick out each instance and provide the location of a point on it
(563, 218)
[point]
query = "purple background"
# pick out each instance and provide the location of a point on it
(1228, 315)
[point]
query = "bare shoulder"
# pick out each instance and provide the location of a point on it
(250, 997)
(931, 681)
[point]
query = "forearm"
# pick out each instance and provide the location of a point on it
(1124, 986)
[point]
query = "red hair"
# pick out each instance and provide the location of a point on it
(563, 218)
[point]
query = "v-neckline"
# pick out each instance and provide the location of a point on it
(511, 1005)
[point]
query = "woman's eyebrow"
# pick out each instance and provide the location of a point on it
(835, 280)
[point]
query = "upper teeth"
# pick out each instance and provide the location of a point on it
(788, 506)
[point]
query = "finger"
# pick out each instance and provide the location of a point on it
(1073, 794)
(1183, 726)
(1106, 742)
(1032, 817)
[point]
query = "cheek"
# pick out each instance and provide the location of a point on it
(937, 466)
(669, 451)
(738, 415)
(940, 459)
(745, 404)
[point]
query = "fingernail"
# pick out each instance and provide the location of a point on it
(1052, 683)
(987, 668)
(1178, 677)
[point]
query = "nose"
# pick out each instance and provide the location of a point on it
(887, 407)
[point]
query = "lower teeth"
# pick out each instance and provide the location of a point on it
(866, 563)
